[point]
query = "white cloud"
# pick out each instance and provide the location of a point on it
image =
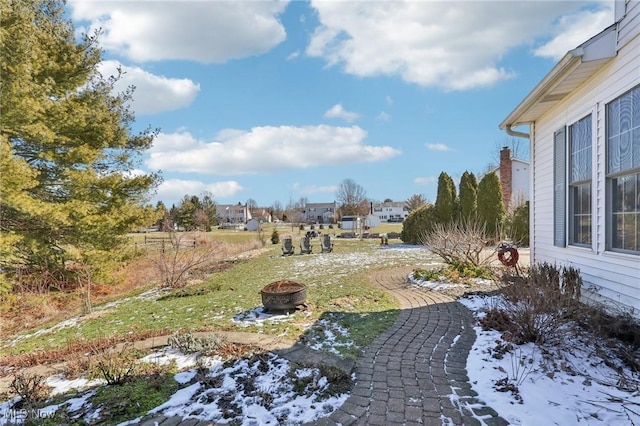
(437, 147)
(424, 181)
(315, 189)
(451, 45)
(265, 150)
(176, 189)
(338, 111)
(293, 55)
(153, 94)
(201, 31)
(383, 116)
(574, 30)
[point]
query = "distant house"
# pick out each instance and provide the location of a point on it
(514, 175)
(321, 212)
(233, 213)
(260, 214)
(390, 211)
(584, 128)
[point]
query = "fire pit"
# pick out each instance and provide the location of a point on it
(283, 295)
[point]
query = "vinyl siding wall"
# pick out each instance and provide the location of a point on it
(614, 277)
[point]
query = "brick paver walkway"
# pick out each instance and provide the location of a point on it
(409, 374)
(415, 372)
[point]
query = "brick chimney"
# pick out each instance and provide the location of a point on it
(505, 176)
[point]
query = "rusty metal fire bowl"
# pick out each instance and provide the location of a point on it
(283, 295)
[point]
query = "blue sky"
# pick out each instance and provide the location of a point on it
(280, 101)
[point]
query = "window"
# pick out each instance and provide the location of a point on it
(623, 172)
(559, 188)
(580, 143)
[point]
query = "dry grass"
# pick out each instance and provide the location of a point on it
(71, 351)
(24, 311)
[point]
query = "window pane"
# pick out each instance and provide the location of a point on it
(581, 214)
(625, 112)
(613, 154)
(630, 194)
(635, 147)
(585, 198)
(613, 118)
(617, 196)
(580, 150)
(626, 212)
(635, 107)
(623, 132)
(625, 151)
(629, 234)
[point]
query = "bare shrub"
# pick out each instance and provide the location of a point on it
(620, 325)
(178, 257)
(31, 388)
(187, 343)
(114, 367)
(534, 309)
(463, 243)
(76, 365)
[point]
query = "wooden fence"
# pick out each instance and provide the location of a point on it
(161, 243)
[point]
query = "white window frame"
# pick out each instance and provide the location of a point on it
(580, 210)
(631, 171)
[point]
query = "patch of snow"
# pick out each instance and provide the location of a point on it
(258, 316)
(561, 382)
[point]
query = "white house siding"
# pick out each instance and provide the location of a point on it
(616, 276)
(631, 23)
(519, 181)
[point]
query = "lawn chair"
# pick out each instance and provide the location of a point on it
(305, 245)
(287, 247)
(327, 245)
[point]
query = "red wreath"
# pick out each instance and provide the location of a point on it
(511, 259)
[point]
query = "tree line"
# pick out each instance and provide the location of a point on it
(474, 201)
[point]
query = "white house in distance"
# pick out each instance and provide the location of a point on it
(233, 213)
(391, 211)
(584, 129)
(514, 177)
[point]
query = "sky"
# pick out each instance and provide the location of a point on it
(281, 101)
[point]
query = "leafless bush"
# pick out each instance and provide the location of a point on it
(113, 366)
(534, 309)
(462, 243)
(187, 343)
(176, 259)
(29, 387)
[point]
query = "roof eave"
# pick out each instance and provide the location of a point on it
(558, 72)
(601, 47)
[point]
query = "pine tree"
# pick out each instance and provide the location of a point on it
(415, 202)
(445, 207)
(468, 195)
(491, 209)
(66, 143)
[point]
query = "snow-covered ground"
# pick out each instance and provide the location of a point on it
(264, 390)
(565, 382)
